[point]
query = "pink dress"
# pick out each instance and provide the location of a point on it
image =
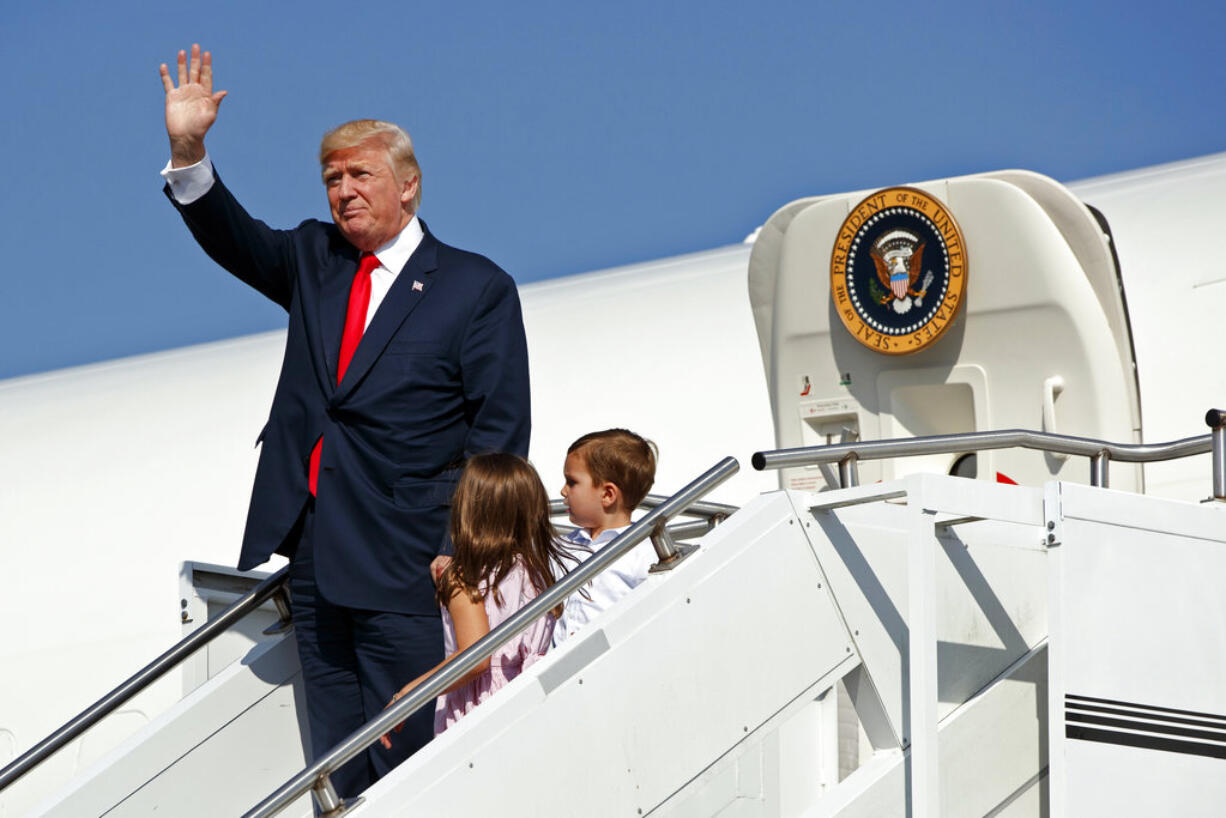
(508, 661)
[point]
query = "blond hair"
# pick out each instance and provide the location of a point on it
(620, 457)
(394, 138)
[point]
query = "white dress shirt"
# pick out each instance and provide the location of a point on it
(610, 585)
(189, 183)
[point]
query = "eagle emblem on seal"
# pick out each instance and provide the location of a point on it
(899, 258)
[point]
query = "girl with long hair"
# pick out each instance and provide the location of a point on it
(506, 554)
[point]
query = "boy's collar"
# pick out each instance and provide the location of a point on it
(604, 536)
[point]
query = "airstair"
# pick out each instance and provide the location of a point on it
(926, 646)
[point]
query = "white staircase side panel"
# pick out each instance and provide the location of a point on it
(1139, 623)
(217, 752)
(1110, 779)
(627, 713)
(779, 769)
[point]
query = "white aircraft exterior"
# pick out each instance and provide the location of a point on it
(119, 472)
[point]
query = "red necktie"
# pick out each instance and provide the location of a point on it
(355, 325)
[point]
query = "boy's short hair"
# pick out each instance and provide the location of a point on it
(620, 457)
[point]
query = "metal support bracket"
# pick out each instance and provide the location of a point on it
(331, 805)
(281, 600)
(670, 552)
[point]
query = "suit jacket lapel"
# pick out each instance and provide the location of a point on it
(406, 292)
(333, 303)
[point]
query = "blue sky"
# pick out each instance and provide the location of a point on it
(554, 137)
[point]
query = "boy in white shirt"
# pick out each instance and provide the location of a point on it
(607, 475)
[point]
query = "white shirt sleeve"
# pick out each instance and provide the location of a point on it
(190, 183)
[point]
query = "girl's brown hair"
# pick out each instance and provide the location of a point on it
(500, 514)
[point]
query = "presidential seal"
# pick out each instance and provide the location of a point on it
(898, 270)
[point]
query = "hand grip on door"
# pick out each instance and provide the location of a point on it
(1052, 387)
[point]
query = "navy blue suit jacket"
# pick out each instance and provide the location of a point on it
(440, 374)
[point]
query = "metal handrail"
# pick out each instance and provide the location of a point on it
(678, 531)
(1100, 452)
(315, 777)
(705, 509)
(709, 515)
(257, 596)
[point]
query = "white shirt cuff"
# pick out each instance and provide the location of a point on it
(190, 183)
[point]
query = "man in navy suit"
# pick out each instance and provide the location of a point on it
(404, 356)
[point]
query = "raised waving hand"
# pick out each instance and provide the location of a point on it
(191, 108)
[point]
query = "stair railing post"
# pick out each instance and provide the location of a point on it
(1216, 418)
(849, 472)
(1099, 466)
(331, 805)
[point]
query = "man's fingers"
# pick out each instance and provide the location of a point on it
(194, 67)
(198, 69)
(206, 72)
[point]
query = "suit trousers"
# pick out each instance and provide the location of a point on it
(353, 662)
